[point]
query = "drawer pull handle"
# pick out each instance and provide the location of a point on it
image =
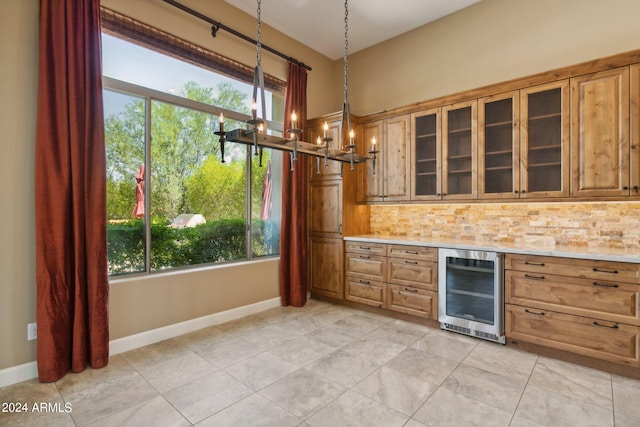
(605, 326)
(540, 264)
(411, 252)
(606, 285)
(365, 282)
(365, 257)
(415, 291)
(534, 312)
(365, 248)
(604, 270)
(530, 276)
(411, 262)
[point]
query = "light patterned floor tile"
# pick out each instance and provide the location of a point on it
(422, 365)
(445, 345)
(204, 397)
(446, 408)
(353, 409)
(492, 389)
(174, 372)
(344, 368)
(401, 392)
(253, 411)
(502, 360)
(154, 412)
(554, 409)
(302, 393)
(626, 395)
(261, 370)
(302, 350)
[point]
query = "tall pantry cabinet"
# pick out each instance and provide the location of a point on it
(332, 213)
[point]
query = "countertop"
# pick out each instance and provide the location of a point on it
(528, 248)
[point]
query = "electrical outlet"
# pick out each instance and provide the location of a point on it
(32, 331)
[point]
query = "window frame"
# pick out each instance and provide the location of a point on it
(132, 31)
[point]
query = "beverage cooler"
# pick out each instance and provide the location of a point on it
(470, 293)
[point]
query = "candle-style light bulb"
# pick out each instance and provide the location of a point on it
(326, 129)
(351, 136)
(221, 121)
(254, 110)
(319, 141)
(373, 143)
(294, 118)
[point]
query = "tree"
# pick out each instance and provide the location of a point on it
(182, 139)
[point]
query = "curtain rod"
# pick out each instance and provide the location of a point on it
(218, 25)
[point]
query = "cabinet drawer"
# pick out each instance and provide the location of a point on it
(581, 335)
(366, 266)
(410, 300)
(601, 299)
(412, 252)
(420, 274)
(364, 291)
(598, 270)
(366, 248)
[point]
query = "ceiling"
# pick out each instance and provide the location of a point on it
(319, 24)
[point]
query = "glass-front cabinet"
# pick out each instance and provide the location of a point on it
(544, 140)
(426, 167)
(499, 146)
(459, 164)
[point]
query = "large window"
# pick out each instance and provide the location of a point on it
(171, 202)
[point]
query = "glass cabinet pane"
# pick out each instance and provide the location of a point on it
(426, 155)
(498, 146)
(544, 149)
(460, 152)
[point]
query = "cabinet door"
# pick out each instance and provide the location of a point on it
(426, 155)
(544, 140)
(326, 267)
(317, 168)
(459, 148)
(397, 158)
(600, 133)
(499, 146)
(370, 188)
(635, 130)
(325, 213)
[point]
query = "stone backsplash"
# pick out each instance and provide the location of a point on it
(589, 225)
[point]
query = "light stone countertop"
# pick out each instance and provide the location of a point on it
(526, 248)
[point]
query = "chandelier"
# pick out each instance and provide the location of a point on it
(255, 133)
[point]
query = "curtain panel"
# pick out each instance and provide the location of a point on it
(70, 192)
(293, 228)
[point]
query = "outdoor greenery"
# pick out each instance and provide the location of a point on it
(187, 176)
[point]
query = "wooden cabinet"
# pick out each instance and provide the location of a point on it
(600, 134)
(459, 151)
(412, 277)
(398, 277)
(585, 307)
(326, 267)
(499, 146)
(390, 179)
(317, 168)
(332, 214)
(544, 140)
(426, 155)
(365, 265)
(635, 130)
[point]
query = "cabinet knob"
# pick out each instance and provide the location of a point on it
(625, 188)
(516, 191)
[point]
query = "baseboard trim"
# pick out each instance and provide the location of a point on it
(28, 371)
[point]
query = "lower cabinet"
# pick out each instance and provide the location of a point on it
(326, 267)
(396, 277)
(589, 308)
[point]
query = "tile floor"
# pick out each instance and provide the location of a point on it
(328, 365)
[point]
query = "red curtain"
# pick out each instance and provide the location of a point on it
(70, 191)
(293, 229)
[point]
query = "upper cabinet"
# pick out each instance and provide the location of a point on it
(499, 146)
(544, 140)
(459, 146)
(635, 130)
(426, 152)
(318, 170)
(389, 181)
(600, 134)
